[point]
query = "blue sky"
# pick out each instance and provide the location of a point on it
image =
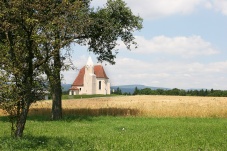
(183, 44)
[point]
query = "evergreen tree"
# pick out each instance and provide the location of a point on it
(136, 91)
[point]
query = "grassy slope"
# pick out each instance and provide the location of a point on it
(118, 133)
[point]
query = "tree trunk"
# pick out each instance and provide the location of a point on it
(56, 100)
(20, 125)
(55, 83)
(56, 92)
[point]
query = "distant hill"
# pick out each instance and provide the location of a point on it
(131, 88)
(66, 87)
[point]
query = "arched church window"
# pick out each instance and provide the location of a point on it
(100, 85)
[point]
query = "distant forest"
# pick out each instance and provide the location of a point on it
(175, 91)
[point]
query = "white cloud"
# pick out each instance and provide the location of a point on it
(151, 9)
(183, 46)
(218, 5)
(168, 74)
(218, 67)
(208, 5)
(98, 3)
(221, 5)
(160, 8)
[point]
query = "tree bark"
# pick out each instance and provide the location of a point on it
(20, 125)
(55, 83)
(56, 99)
(56, 92)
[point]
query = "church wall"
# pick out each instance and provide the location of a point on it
(80, 91)
(108, 88)
(76, 92)
(105, 86)
(93, 84)
(70, 92)
(89, 81)
(86, 89)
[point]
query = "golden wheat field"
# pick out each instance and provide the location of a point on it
(152, 106)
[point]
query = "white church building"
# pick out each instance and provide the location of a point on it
(91, 79)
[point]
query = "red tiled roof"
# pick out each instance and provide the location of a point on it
(79, 81)
(98, 71)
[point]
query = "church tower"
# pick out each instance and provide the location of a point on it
(89, 77)
(90, 66)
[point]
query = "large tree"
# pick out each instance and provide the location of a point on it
(64, 22)
(76, 22)
(33, 35)
(21, 81)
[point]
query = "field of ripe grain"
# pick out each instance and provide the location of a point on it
(150, 106)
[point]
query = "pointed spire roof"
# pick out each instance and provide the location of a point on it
(89, 61)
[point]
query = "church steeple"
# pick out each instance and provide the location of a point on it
(90, 62)
(89, 66)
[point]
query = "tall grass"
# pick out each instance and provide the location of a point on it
(150, 106)
(118, 133)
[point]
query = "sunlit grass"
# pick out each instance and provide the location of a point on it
(118, 133)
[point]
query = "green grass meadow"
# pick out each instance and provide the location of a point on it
(106, 133)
